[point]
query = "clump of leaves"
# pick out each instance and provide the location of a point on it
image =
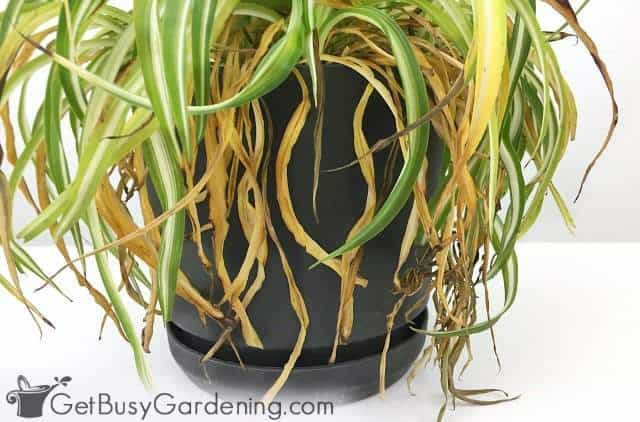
(143, 90)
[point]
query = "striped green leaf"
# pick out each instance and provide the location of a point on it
(174, 52)
(203, 17)
(114, 296)
(416, 106)
(169, 184)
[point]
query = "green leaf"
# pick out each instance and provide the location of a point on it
(416, 106)
(146, 16)
(274, 68)
(9, 17)
(69, 28)
(174, 35)
(201, 32)
(114, 296)
(169, 184)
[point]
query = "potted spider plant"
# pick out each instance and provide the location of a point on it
(288, 184)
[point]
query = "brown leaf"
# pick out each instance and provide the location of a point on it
(564, 8)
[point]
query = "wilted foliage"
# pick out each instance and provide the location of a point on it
(144, 90)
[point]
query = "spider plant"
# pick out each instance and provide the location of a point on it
(142, 89)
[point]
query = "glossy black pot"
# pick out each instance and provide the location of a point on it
(341, 200)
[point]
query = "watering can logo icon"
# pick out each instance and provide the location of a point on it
(30, 398)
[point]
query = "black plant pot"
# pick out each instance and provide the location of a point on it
(341, 200)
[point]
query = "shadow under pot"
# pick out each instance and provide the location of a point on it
(341, 200)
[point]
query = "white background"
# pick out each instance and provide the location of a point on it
(569, 345)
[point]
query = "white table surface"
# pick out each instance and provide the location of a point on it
(569, 346)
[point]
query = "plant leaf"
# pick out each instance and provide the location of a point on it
(416, 106)
(204, 12)
(169, 183)
(564, 8)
